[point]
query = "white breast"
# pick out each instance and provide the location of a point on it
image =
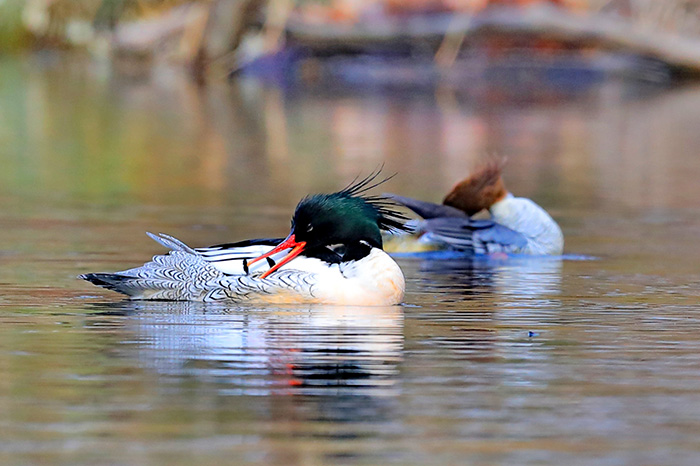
(524, 216)
(375, 280)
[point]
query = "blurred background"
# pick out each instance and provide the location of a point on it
(228, 112)
(209, 120)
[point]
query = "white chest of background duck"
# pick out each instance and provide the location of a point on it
(333, 255)
(520, 214)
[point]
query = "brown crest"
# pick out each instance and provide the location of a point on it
(480, 190)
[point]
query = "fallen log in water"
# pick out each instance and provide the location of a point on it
(189, 28)
(603, 31)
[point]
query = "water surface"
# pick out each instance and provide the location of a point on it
(513, 361)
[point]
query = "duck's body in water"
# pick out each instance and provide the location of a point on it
(333, 255)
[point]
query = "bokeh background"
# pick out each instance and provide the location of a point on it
(210, 120)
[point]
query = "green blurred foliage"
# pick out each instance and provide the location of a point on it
(24, 23)
(13, 34)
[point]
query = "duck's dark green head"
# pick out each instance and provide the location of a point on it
(348, 218)
(344, 217)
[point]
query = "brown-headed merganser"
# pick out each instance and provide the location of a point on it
(516, 225)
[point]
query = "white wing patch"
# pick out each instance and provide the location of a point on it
(234, 261)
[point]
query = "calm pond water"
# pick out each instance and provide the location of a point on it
(515, 361)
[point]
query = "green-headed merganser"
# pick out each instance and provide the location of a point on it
(517, 225)
(333, 255)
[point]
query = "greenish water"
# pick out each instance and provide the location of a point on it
(516, 361)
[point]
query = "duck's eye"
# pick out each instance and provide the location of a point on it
(309, 228)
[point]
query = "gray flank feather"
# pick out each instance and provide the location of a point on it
(502, 235)
(478, 236)
(183, 274)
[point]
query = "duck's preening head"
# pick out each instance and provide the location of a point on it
(348, 217)
(480, 190)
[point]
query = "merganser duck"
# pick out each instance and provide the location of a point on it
(333, 255)
(517, 225)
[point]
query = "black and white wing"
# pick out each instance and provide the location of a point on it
(187, 274)
(232, 258)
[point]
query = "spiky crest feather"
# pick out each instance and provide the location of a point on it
(388, 219)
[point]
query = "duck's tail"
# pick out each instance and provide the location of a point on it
(180, 275)
(111, 281)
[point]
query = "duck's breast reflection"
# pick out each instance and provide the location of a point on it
(272, 349)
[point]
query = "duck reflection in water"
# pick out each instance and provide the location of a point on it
(508, 276)
(345, 357)
(487, 310)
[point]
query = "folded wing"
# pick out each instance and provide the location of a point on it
(456, 230)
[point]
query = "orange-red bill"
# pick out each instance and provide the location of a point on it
(292, 254)
(289, 242)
